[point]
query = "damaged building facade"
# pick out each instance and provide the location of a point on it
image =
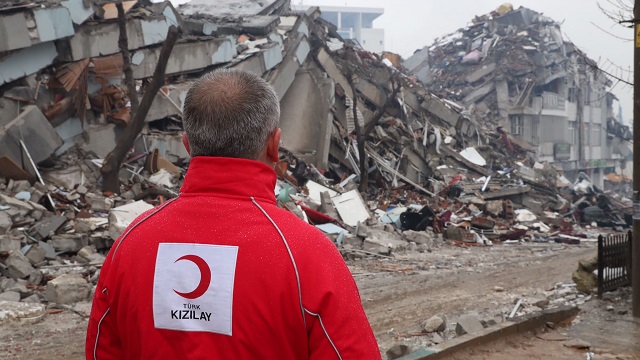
(354, 23)
(514, 69)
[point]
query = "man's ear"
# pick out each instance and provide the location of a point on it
(185, 142)
(273, 144)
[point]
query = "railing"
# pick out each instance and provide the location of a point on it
(614, 262)
(552, 101)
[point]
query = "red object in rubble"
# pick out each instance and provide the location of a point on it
(317, 217)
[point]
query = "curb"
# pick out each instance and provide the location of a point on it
(516, 326)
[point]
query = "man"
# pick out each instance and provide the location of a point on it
(221, 272)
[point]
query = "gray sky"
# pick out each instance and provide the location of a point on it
(412, 24)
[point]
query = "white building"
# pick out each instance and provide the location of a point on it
(354, 23)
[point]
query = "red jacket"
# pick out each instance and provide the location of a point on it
(222, 273)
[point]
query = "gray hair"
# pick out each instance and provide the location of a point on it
(230, 113)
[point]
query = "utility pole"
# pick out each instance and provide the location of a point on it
(635, 246)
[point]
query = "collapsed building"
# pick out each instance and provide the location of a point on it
(514, 69)
(437, 170)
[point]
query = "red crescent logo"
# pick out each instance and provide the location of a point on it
(205, 277)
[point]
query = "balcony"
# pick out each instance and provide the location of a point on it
(553, 101)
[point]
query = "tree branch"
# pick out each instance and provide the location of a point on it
(113, 161)
(123, 44)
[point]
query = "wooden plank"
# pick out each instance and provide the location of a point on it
(11, 170)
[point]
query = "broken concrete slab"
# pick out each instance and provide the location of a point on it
(19, 204)
(33, 128)
(304, 113)
(167, 102)
(380, 242)
(326, 206)
(10, 296)
(121, 216)
(69, 131)
(35, 254)
(8, 245)
(351, 208)
(78, 10)
(18, 266)
(101, 139)
(506, 192)
(282, 77)
(67, 289)
(468, 324)
(69, 243)
(481, 72)
(98, 202)
(186, 57)
(27, 61)
(479, 93)
(102, 38)
(47, 227)
(5, 222)
(10, 310)
(231, 8)
(418, 237)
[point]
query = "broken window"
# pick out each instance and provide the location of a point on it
(517, 125)
(556, 86)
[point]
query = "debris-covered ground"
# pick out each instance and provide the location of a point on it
(447, 224)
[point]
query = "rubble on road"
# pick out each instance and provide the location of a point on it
(438, 173)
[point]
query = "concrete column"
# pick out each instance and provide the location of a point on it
(358, 28)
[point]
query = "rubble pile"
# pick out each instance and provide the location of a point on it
(436, 172)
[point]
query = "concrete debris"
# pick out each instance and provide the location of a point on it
(434, 324)
(577, 344)
(18, 266)
(468, 324)
(121, 216)
(10, 310)
(584, 277)
(455, 158)
(10, 296)
(398, 351)
(67, 289)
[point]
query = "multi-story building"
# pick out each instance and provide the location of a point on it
(355, 23)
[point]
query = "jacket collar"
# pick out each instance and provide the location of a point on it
(230, 177)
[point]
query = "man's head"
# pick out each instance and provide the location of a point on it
(232, 113)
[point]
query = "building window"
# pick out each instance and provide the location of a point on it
(571, 132)
(571, 95)
(517, 125)
(586, 134)
(535, 131)
(595, 135)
